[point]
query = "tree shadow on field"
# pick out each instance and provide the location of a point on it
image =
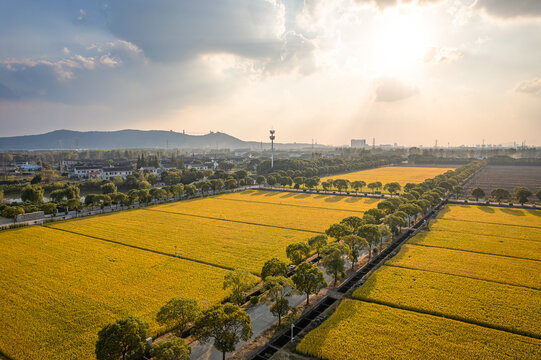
(288, 195)
(487, 209)
(272, 193)
(334, 199)
(535, 212)
(371, 200)
(353, 199)
(252, 192)
(514, 212)
(302, 196)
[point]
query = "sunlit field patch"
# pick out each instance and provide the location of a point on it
(58, 289)
(400, 174)
(494, 215)
(317, 201)
(513, 308)
(480, 266)
(469, 228)
(361, 330)
(222, 243)
(480, 243)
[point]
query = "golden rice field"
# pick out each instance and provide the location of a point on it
(527, 249)
(480, 266)
(493, 215)
(471, 227)
(513, 308)
(58, 289)
(302, 217)
(317, 201)
(400, 174)
(361, 330)
(222, 243)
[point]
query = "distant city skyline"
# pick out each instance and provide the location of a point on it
(406, 72)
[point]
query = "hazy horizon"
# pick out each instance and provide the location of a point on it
(406, 72)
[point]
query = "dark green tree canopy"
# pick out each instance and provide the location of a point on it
(126, 336)
(274, 267)
(178, 313)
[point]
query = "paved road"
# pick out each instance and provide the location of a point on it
(262, 319)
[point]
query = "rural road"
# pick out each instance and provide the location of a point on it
(262, 319)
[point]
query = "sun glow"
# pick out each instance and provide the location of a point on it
(399, 42)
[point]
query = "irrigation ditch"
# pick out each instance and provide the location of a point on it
(315, 315)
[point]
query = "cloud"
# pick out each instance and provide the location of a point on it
(391, 90)
(509, 9)
(436, 55)
(173, 31)
(383, 4)
(532, 87)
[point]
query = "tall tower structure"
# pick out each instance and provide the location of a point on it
(272, 137)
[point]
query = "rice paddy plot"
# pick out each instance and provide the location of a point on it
(480, 243)
(400, 174)
(272, 214)
(300, 199)
(221, 243)
(507, 307)
(492, 215)
(479, 228)
(58, 290)
(468, 264)
(361, 330)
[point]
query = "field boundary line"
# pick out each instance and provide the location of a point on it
(236, 221)
(470, 233)
(451, 317)
(465, 276)
(144, 249)
(473, 251)
(293, 205)
(491, 223)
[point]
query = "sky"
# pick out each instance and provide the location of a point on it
(400, 71)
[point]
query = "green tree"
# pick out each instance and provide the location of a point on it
(392, 187)
(275, 289)
(49, 208)
(384, 231)
(1, 194)
(239, 281)
(11, 212)
(297, 252)
(458, 190)
(317, 242)
(273, 267)
(230, 184)
(126, 336)
(308, 279)
(522, 194)
(260, 180)
(352, 221)
(395, 223)
(74, 204)
(538, 194)
(57, 195)
(333, 259)
(337, 231)
(172, 349)
(478, 193)
(178, 313)
(410, 209)
(36, 179)
(280, 308)
(356, 245)
(108, 188)
(32, 193)
(217, 184)
(226, 324)
(500, 194)
(371, 233)
(358, 185)
(372, 186)
(378, 214)
(341, 184)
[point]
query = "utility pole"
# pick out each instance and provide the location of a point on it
(272, 137)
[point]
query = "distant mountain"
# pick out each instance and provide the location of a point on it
(127, 139)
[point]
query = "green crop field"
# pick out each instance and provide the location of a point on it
(513, 308)
(59, 289)
(400, 174)
(361, 330)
